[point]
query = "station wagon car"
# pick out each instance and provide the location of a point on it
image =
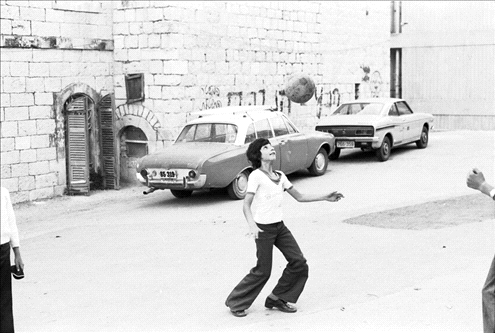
(210, 151)
(377, 124)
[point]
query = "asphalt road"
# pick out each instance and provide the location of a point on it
(122, 261)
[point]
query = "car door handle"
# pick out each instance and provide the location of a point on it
(283, 142)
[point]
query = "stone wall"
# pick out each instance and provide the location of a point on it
(47, 47)
(200, 55)
(194, 56)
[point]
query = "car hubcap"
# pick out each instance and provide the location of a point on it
(320, 162)
(385, 149)
(241, 183)
(424, 137)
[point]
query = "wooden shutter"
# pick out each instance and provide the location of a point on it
(77, 146)
(111, 174)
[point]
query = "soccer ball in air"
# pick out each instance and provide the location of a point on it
(300, 88)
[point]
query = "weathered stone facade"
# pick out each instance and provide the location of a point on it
(193, 55)
(47, 48)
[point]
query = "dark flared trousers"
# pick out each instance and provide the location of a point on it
(293, 279)
(6, 317)
(488, 299)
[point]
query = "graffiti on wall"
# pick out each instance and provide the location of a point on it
(211, 98)
(280, 98)
(372, 83)
(327, 98)
(255, 98)
(234, 98)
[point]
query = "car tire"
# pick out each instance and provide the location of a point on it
(181, 193)
(237, 189)
(383, 153)
(335, 155)
(423, 140)
(320, 163)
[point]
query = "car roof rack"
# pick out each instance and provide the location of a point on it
(234, 110)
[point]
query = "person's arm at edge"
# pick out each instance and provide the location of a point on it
(476, 180)
(14, 237)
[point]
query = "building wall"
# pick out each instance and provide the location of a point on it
(47, 47)
(355, 39)
(200, 55)
(448, 52)
(194, 56)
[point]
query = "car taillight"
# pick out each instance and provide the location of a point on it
(367, 132)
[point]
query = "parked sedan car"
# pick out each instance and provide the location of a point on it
(210, 152)
(378, 124)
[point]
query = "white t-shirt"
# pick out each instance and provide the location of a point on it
(8, 224)
(268, 196)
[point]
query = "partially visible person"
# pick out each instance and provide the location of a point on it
(476, 180)
(9, 238)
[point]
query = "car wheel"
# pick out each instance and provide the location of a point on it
(423, 140)
(320, 163)
(335, 155)
(237, 189)
(181, 193)
(383, 153)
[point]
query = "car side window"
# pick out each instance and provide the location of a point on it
(291, 128)
(355, 108)
(224, 133)
(279, 126)
(250, 134)
(263, 129)
(203, 132)
(393, 111)
(187, 134)
(403, 108)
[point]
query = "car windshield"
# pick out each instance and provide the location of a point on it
(209, 132)
(359, 108)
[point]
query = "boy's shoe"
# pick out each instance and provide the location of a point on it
(279, 304)
(239, 313)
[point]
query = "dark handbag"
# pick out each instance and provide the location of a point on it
(17, 274)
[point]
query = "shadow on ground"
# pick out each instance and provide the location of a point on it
(431, 215)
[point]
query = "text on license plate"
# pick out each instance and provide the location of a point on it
(168, 174)
(345, 144)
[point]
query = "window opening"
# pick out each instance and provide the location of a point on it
(134, 84)
(136, 142)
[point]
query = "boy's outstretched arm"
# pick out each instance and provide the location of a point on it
(304, 197)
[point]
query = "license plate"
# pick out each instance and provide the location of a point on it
(345, 144)
(168, 174)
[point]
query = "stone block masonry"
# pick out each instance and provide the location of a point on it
(240, 53)
(193, 55)
(46, 46)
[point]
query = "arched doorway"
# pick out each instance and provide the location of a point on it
(89, 144)
(133, 146)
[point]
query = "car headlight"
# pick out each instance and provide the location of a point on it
(192, 174)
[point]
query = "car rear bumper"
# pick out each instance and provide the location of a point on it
(359, 142)
(185, 183)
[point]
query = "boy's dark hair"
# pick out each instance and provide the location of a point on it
(254, 151)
